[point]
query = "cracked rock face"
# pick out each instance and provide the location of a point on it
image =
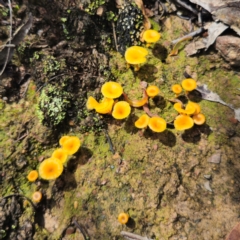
(229, 48)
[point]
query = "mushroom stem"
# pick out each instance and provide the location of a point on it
(137, 103)
(147, 111)
(136, 67)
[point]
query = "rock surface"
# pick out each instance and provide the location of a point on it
(229, 48)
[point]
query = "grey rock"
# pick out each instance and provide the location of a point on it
(215, 158)
(207, 186)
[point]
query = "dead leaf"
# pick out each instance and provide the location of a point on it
(214, 31)
(214, 97)
(235, 233)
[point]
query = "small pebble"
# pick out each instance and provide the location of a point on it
(215, 158)
(208, 177)
(207, 186)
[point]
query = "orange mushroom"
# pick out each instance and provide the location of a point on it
(37, 197)
(189, 84)
(189, 109)
(111, 90)
(151, 36)
(60, 154)
(121, 110)
(197, 107)
(105, 106)
(157, 124)
(136, 55)
(199, 119)
(137, 103)
(143, 121)
(32, 176)
(91, 103)
(72, 145)
(50, 169)
(152, 91)
(123, 218)
(63, 139)
(177, 89)
(183, 122)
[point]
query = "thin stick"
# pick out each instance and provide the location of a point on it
(114, 36)
(192, 34)
(132, 236)
(10, 37)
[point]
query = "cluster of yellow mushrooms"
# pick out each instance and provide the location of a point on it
(51, 168)
(135, 56)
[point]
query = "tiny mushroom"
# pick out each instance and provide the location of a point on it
(121, 110)
(71, 145)
(183, 122)
(63, 139)
(60, 154)
(189, 84)
(157, 124)
(32, 176)
(197, 107)
(50, 169)
(177, 89)
(91, 103)
(136, 55)
(151, 36)
(143, 121)
(199, 119)
(189, 109)
(105, 106)
(152, 91)
(37, 197)
(123, 218)
(111, 90)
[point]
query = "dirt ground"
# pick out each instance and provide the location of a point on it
(174, 185)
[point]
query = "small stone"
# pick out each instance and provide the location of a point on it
(215, 158)
(208, 176)
(70, 230)
(207, 186)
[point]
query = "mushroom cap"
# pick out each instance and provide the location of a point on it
(197, 107)
(176, 88)
(60, 154)
(111, 90)
(199, 119)
(189, 84)
(91, 103)
(32, 176)
(50, 168)
(105, 106)
(151, 36)
(157, 124)
(152, 91)
(136, 55)
(143, 121)
(63, 139)
(121, 110)
(123, 218)
(183, 122)
(178, 107)
(71, 145)
(37, 196)
(190, 108)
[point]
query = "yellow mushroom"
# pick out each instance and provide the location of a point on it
(136, 55)
(157, 124)
(111, 90)
(183, 122)
(143, 121)
(121, 110)
(152, 91)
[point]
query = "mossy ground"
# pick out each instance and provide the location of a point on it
(157, 178)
